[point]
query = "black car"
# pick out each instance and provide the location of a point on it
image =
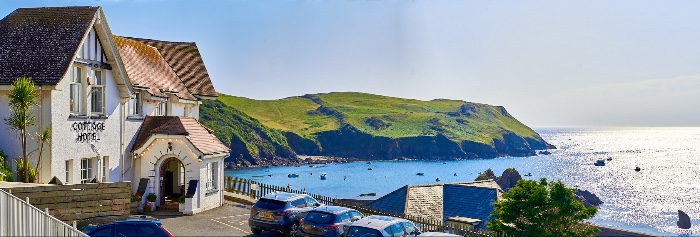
(327, 221)
(280, 212)
(129, 227)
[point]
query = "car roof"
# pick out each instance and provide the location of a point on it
(333, 209)
(377, 222)
(282, 196)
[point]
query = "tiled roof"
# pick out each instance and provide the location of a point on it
(40, 42)
(468, 201)
(146, 67)
(185, 60)
(393, 202)
(201, 137)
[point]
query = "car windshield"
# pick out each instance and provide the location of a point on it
(319, 217)
(357, 231)
(269, 204)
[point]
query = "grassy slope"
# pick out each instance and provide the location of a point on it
(403, 117)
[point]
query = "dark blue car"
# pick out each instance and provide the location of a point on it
(129, 227)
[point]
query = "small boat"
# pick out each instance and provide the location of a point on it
(292, 175)
(369, 168)
(609, 158)
(456, 174)
(369, 162)
(438, 179)
(368, 194)
(323, 176)
(599, 163)
(312, 166)
(444, 163)
(528, 174)
(420, 174)
(637, 169)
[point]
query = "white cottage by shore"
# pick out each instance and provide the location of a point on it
(119, 108)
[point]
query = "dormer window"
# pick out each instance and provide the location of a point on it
(76, 89)
(135, 105)
(163, 108)
(98, 93)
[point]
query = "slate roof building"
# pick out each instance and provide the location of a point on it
(119, 108)
(442, 201)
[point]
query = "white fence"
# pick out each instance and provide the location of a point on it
(19, 218)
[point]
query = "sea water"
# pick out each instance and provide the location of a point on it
(645, 201)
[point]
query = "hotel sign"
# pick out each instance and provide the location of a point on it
(88, 131)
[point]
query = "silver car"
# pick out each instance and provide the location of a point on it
(382, 226)
(327, 221)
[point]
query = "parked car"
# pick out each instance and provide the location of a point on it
(280, 212)
(129, 227)
(382, 226)
(327, 221)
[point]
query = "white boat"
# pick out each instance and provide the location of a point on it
(323, 176)
(600, 163)
(438, 179)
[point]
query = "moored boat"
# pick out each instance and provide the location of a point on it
(599, 163)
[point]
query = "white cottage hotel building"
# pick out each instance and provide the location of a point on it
(119, 108)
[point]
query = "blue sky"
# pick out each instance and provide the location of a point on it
(550, 63)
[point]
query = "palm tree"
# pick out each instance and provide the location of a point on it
(22, 98)
(44, 138)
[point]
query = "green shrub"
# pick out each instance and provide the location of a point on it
(182, 199)
(5, 169)
(151, 197)
(20, 170)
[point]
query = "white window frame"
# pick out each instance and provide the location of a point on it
(135, 105)
(86, 170)
(69, 171)
(104, 169)
(162, 108)
(212, 175)
(76, 90)
(97, 92)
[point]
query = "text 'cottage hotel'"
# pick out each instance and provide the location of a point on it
(119, 108)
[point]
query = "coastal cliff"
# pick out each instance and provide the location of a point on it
(364, 126)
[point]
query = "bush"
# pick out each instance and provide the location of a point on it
(182, 199)
(5, 169)
(136, 198)
(20, 170)
(151, 197)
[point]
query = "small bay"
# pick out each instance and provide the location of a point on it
(645, 201)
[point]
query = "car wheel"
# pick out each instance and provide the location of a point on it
(292, 230)
(256, 231)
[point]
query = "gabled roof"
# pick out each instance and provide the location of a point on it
(394, 202)
(201, 137)
(187, 63)
(466, 199)
(40, 42)
(146, 67)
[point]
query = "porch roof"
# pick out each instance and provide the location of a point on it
(201, 137)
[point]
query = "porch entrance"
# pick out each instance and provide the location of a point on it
(172, 184)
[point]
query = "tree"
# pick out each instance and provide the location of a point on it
(44, 138)
(534, 208)
(22, 98)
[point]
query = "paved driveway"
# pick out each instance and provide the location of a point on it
(228, 220)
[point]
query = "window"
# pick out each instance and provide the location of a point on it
(69, 171)
(104, 169)
(76, 88)
(187, 111)
(86, 170)
(310, 202)
(135, 104)
(410, 229)
(98, 94)
(397, 230)
(163, 108)
(212, 169)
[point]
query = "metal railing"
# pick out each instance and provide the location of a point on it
(19, 218)
(256, 190)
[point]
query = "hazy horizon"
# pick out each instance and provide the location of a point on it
(549, 63)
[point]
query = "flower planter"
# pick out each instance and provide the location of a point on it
(181, 207)
(134, 207)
